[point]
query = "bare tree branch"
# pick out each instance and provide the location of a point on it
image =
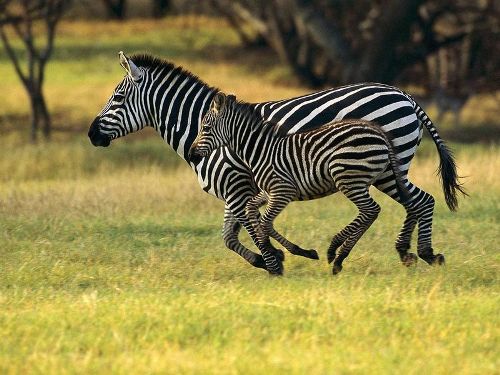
(21, 17)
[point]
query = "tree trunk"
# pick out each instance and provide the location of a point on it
(35, 117)
(379, 62)
(160, 8)
(115, 9)
(45, 117)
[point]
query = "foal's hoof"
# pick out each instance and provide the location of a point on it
(331, 254)
(259, 262)
(279, 254)
(312, 254)
(276, 270)
(336, 269)
(409, 259)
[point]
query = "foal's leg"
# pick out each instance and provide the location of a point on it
(276, 203)
(347, 237)
(261, 199)
(236, 204)
(230, 231)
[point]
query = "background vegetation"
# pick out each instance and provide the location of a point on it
(111, 259)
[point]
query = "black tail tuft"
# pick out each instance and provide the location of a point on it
(448, 174)
(447, 167)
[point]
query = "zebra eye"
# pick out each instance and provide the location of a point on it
(206, 127)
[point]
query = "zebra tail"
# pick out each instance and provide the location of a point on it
(447, 169)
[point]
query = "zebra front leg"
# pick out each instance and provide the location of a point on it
(260, 200)
(230, 231)
(349, 236)
(253, 214)
(237, 203)
(277, 201)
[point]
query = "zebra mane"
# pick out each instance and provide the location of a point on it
(145, 60)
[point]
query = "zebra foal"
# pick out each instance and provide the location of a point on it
(346, 156)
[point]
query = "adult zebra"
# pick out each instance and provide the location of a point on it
(156, 93)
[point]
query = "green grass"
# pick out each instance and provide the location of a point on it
(111, 260)
(121, 267)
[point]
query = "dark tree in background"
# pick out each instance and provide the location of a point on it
(447, 46)
(161, 8)
(115, 9)
(33, 22)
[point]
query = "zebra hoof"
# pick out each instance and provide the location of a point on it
(409, 259)
(276, 271)
(336, 269)
(259, 262)
(279, 254)
(438, 260)
(432, 259)
(312, 254)
(331, 255)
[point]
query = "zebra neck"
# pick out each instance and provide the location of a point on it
(254, 142)
(178, 101)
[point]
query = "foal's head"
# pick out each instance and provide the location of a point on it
(215, 126)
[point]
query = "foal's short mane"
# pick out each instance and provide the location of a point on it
(248, 110)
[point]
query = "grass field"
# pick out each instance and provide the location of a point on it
(111, 260)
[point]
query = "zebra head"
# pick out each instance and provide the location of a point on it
(125, 112)
(213, 128)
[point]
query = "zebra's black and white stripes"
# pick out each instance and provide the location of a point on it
(157, 93)
(346, 156)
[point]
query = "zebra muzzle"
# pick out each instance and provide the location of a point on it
(195, 153)
(96, 136)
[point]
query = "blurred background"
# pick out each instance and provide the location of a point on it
(58, 62)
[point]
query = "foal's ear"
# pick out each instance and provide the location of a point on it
(218, 102)
(132, 70)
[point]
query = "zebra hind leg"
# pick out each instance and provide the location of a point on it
(403, 242)
(422, 206)
(294, 249)
(349, 236)
(386, 183)
(230, 231)
(291, 247)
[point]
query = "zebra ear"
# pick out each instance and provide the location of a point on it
(218, 102)
(132, 70)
